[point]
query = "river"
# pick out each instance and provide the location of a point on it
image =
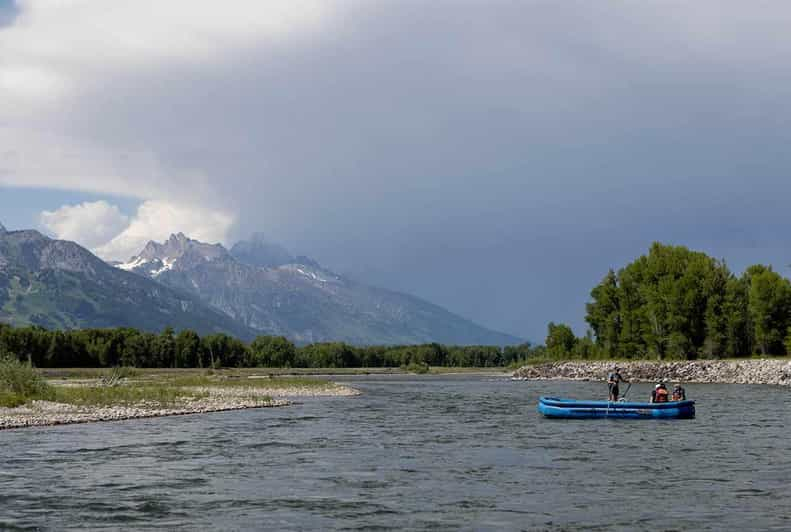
(452, 452)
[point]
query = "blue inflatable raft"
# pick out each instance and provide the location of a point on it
(570, 408)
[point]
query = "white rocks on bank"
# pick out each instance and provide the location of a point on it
(212, 399)
(749, 371)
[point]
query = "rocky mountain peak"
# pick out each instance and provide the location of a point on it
(177, 252)
(179, 245)
(189, 284)
(37, 253)
(2, 229)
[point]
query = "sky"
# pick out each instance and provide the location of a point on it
(493, 157)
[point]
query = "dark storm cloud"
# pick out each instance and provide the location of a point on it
(493, 157)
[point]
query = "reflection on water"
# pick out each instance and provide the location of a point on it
(414, 452)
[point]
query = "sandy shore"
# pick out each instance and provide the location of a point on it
(748, 371)
(214, 399)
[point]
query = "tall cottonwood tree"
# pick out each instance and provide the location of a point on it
(678, 303)
(770, 308)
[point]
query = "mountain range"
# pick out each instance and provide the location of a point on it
(254, 288)
(61, 285)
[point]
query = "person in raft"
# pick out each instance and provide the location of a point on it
(613, 380)
(679, 394)
(659, 394)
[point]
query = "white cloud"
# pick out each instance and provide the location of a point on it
(42, 158)
(103, 228)
(90, 224)
(158, 219)
(54, 43)
(62, 61)
(378, 131)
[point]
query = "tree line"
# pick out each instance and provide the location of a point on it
(186, 349)
(674, 303)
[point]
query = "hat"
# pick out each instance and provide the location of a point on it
(658, 386)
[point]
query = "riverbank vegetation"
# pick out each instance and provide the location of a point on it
(104, 348)
(674, 303)
(21, 383)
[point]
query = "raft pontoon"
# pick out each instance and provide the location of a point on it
(571, 408)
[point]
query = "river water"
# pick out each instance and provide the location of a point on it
(414, 453)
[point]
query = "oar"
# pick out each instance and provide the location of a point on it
(626, 392)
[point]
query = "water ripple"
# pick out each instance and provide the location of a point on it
(412, 453)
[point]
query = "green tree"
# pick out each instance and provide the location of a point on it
(272, 352)
(187, 349)
(672, 302)
(224, 350)
(560, 340)
(164, 354)
(770, 307)
(327, 355)
(603, 314)
(736, 313)
(136, 350)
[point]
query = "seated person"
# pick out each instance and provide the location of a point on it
(659, 394)
(679, 394)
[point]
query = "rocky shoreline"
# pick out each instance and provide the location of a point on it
(213, 399)
(748, 371)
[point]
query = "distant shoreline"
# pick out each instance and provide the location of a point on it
(211, 399)
(256, 372)
(747, 371)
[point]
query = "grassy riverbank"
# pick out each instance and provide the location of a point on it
(89, 386)
(237, 373)
(28, 397)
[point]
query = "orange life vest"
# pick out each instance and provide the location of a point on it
(660, 395)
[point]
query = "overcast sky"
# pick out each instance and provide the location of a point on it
(493, 157)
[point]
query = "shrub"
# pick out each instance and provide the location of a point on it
(416, 367)
(20, 383)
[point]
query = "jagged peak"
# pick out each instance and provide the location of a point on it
(2, 229)
(178, 245)
(180, 237)
(151, 248)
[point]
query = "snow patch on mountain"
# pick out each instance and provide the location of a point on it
(311, 275)
(133, 264)
(166, 265)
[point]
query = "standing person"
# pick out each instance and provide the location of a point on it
(613, 380)
(679, 393)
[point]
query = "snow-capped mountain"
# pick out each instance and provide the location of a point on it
(177, 252)
(265, 288)
(61, 285)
